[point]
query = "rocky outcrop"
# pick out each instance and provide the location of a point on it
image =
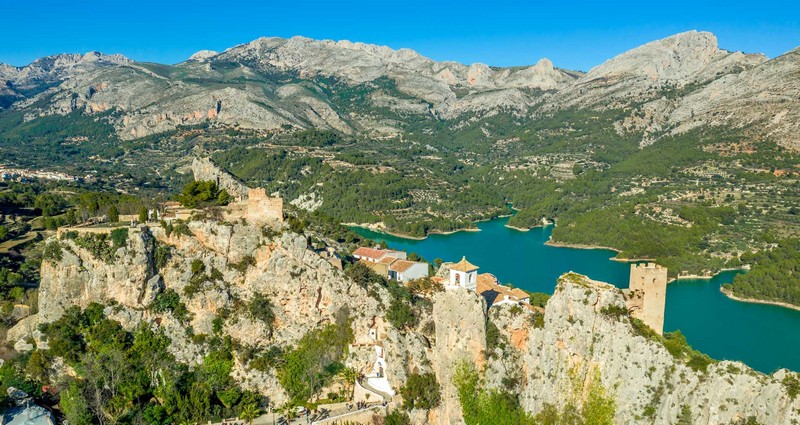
(238, 262)
(204, 169)
(580, 342)
(460, 319)
(80, 277)
(57, 68)
(583, 341)
(668, 86)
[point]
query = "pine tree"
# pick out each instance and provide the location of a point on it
(143, 215)
(113, 214)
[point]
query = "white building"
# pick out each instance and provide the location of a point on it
(392, 264)
(404, 270)
(463, 274)
(374, 255)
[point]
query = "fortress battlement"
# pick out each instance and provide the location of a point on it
(647, 266)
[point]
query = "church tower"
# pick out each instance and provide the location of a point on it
(463, 274)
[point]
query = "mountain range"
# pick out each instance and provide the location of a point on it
(665, 87)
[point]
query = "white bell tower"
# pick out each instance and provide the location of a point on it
(463, 274)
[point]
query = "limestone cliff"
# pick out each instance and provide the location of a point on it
(460, 318)
(204, 169)
(581, 341)
(582, 338)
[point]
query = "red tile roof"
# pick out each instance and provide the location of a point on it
(464, 266)
(369, 253)
(493, 291)
(401, 265)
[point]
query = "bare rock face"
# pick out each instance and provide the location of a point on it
(460, 319)
(238, 261)
(151, 101)
(672, 85)
(81, 278)
(204, 169)
(57, 68)
(579, 343)
(761, 96)
(202, 55)
(644, 72)
(673, 58)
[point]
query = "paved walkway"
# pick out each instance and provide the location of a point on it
(338, 413)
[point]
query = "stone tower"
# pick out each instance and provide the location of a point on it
(647, 294)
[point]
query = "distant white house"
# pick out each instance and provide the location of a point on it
(392, 264)
(404, 270)
(375, 255)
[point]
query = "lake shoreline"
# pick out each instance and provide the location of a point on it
(707, 276)
(730, 295)
(557, 244)
(378, 229)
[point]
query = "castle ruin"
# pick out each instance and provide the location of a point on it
(254, 205)
(647, 293)
(262, 208)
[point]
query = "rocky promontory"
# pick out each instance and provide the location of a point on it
(584, 339)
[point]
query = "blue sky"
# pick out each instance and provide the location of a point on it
(574, 35)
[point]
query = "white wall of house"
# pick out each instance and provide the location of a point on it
(418, 270)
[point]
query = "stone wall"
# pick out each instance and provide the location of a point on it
(262, 208)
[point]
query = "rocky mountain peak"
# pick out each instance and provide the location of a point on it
(202, 55)
(674, 57)
(544, 63)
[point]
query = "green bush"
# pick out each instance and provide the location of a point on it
(119, 237)
(200, 194)
(162, 255)
(113, 214)
(486, 406)
(52, 251)
(261, 309)
(170, 301)
(316, 360)
(421, 392)
(198, 267)
(397, 417)
(400, 314)
(792, 385)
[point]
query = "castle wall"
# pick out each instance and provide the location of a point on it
(648, 294)
(262, 208)
(254, 205)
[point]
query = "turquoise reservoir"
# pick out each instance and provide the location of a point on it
(764, 337)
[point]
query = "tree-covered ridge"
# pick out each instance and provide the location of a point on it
(774, 276)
